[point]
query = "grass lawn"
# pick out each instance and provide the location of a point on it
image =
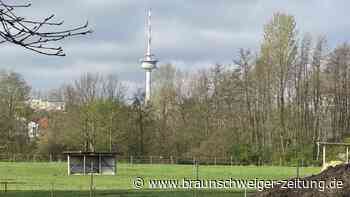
(37, 179)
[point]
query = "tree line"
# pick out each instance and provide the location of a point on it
(271, 105)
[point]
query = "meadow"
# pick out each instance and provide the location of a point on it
(50, 179)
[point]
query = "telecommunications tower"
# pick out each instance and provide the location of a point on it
(148, 62)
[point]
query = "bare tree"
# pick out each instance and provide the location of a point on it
(29, 33)
(280, 47)
(112, 88)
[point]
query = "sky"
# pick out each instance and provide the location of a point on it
(189, 34)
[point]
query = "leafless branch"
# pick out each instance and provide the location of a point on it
(29, 33)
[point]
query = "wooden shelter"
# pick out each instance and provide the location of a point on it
(324, 144)
(82, 163)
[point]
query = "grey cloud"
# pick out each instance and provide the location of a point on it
(190, 34)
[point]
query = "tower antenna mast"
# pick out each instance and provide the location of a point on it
(149, 34)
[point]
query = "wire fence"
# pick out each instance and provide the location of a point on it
(21, 157)
(131, 159)
(15, 188)
(12, 188)
(99, 193)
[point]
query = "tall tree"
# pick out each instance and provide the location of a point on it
(338, 69)
(14, 92)
(279, 49)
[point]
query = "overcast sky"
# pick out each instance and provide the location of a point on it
(190, 34)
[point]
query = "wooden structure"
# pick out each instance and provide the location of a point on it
(83, 163)
(324, 144)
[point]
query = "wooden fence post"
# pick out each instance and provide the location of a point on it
(52, 190)
(324, 156)
(280, 161)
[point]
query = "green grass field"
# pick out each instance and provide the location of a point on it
(38, 179)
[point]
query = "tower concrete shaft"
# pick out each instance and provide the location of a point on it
(148, 86)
